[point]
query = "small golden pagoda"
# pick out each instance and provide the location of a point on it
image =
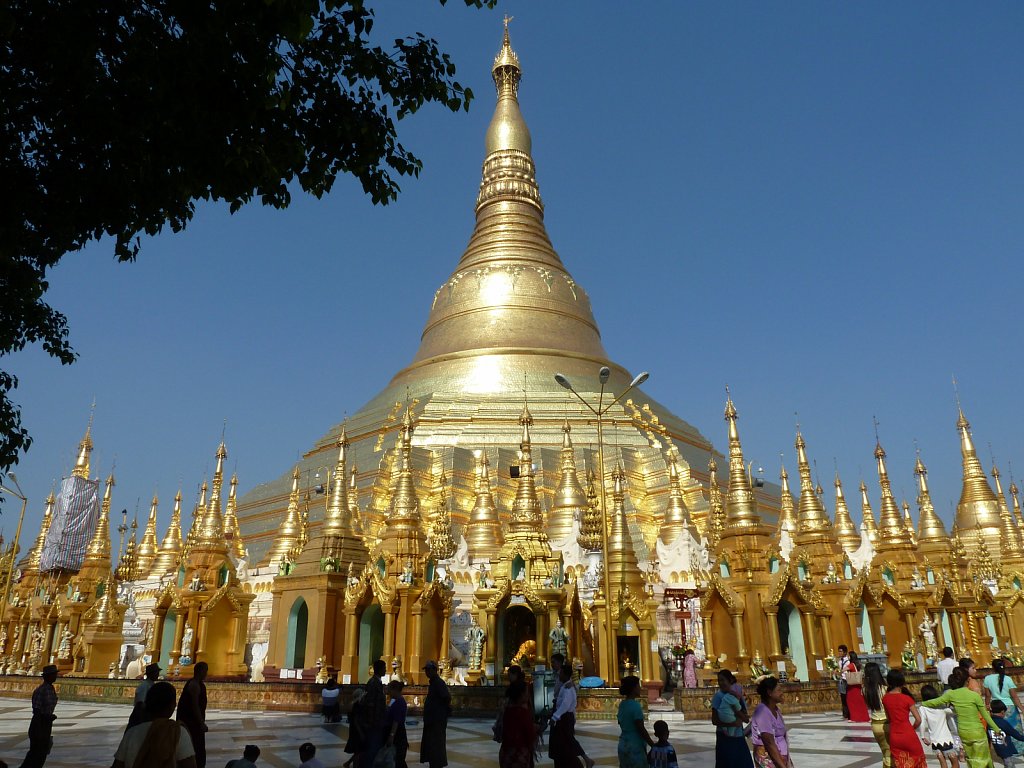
(149, 549)
(169, 552)
(846, 531)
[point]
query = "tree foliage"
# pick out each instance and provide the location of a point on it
(117, 117)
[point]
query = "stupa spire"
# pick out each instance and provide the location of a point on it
(526, 514)
(403, 531)
(676, 521)
(84, 452)
(232, 532)
(170, 548)
(978, 507)
(890, 521)
(813, 518)
(592, 518)
(846, 531)
(908, 523)
(930, 528)
(211, 526)
(740, 505)
(442, 539)
(868, 525)
(787, 505)
(622, 564)
(1018, 518)
(716, 505)
(287, 539)
(570, 498)
(483, 532)
(336, 522)
(30, 564)
(1008, 542)
(148, 547)
(97, 554)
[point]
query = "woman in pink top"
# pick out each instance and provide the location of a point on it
(767, 728)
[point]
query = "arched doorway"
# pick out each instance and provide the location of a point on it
(519, 625)
(298, 621)
(371, 639)
(791, 636)
(867, 639)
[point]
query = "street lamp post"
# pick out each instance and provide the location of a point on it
(14, 549)
(603, 375)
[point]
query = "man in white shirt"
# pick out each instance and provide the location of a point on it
(946, 665)
(563, 747)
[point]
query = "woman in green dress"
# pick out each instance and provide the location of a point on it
(633, 737)
(971, 719)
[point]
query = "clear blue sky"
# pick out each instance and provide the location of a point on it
(817, 203)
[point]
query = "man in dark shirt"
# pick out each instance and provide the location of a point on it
(436, 710)
(44, 701)
(374, 705)
(192, 710)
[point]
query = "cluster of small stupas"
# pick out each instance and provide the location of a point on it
(476, 512)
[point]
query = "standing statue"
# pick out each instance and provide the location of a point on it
(406, 577)
(64, 649)
(475, 636)
(186, 646)
(559, 639)
(927, 627)
(3, 640)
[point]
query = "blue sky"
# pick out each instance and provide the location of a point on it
(816, 203)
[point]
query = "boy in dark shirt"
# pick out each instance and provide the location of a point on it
(1006, 750)
(662, 754)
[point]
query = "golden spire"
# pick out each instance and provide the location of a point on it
(978, 506)
(442, 541)
(1008, 541)
(232, 533)
(1018, 519)
(908, 523)
(355, 517)
(526, 516)
(483, 532)
(148, 547)
(570, 498)
(211, 528)
(288, 534)
(31, 562)
(403, 530)
(867, 516)
(740, 505)
(197, 520)
(676, 521)
(787, 506)
(127, 569)
(170, 549)
(930, 528)
(105, 612)
(716, 511)
(813, 518)
(591, 520)
(890, 521)
(84, 451)
(336, 520)
(97, 554)
(507, 132)
(621, 560)
(846, 531)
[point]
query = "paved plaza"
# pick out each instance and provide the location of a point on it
(87, 735)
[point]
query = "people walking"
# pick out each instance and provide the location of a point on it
(356, 742)
(874, 690)
(1006, 747)
(999, 686)
(395, 736)
(192, 710)
(437, 708)
(904, 719)
(519, 732)
(944, 666)
(633, 736)
(855, 691)
(767, 728)
(938, 730)
(40, 728)
(728, 714)
(158, 741)
(971, 718)
(563, 748)
(841, 663)
(138, 714)
(372, 713)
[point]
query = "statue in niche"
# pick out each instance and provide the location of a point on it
(64, 649)
(475, 636)
(186, 645)
(406, 577)
(916, 582)
(559, 639)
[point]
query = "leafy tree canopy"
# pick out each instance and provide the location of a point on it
(117, 117)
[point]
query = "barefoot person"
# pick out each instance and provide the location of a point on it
(44, 701)
(563, 748)
(192, 710)
(436, 710)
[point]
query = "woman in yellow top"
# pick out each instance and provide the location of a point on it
(971, 719)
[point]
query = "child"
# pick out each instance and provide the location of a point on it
(662, 755)
(938, 729)
(1004, 747)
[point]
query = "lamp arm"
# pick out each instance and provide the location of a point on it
(580, 398)
(625, 392)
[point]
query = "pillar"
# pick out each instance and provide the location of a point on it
(542, 637)
(855, 641)
(158, 635)
(389, 633)
(179, 631)
(741, 640)
(773, 633)
(351, 654)
(414, 667)
(709, 649)
(491, 643)
(826, 633)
